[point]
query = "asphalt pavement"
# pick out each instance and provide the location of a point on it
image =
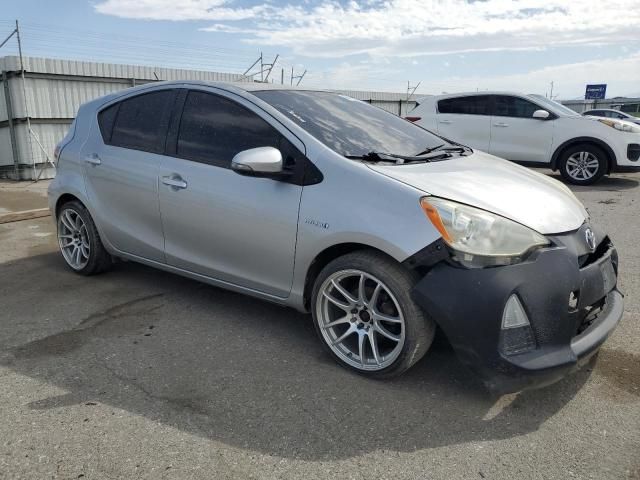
(138, 373)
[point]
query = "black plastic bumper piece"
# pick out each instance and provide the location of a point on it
(569, 297)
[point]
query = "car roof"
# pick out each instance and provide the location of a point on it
(246, 86)
(483, 92)
(241, 88)
(603, 110)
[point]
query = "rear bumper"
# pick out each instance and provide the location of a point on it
(468, 305)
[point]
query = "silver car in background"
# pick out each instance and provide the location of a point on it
(379, 228)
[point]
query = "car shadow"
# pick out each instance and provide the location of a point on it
(237, 370)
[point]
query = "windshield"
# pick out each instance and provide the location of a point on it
(348, 126)
(554, 106)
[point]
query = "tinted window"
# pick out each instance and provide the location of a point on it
(213, 130)
(106, 119)
(506, 106)
(473, 105)
(141, 123)
(348, 126)
(596, 113)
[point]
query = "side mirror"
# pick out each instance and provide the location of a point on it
(258, 162)
(541, 114)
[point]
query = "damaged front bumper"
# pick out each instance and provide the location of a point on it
(569, 297)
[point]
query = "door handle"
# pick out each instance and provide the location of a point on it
(93, 159)
(500, 124)
(445, 121)
(175, 181)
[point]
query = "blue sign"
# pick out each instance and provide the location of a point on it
(595, 92)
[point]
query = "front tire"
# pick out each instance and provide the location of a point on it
(583, 164)
(365, 317)
(79, 240)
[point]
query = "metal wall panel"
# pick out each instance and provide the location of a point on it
(111, 70)
(3, 105)
(6, 154)
(48, 135)
(49, 98)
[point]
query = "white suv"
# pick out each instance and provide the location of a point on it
(533, 130)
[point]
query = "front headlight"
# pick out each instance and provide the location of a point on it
(620, 125)
(480, 238)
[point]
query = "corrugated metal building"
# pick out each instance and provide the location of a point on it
(50, 96)
(54, 89)
(626, 104)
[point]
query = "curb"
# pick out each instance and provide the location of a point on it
(24, 215)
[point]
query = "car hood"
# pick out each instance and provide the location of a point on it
(498, 186)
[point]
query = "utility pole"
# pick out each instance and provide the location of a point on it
(411, 90)
(298, 77)
(270, 65)
(264, 68)
(551, 93)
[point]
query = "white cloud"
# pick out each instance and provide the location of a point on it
(405, 27)
(177, 10)
(621, 74)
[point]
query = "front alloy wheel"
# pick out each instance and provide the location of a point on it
(583, 164)
(360, 320)
(365, 315)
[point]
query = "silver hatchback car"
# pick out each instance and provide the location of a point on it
(379, 228)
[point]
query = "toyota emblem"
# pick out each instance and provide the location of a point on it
(590, 238)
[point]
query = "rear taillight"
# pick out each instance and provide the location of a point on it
(413, 119)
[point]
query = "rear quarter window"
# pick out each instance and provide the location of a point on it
(106, 119)
(471, 105)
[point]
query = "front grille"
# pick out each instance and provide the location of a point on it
(601, 250)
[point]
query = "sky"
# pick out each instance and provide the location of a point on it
(445, 46)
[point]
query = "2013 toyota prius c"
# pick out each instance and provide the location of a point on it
(379, 228)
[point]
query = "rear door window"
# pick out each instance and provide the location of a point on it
(213, 129)
(471, 105)
(141, 122)
(508, 106)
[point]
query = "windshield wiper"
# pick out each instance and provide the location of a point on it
(442, 148)
(399, 159)
(429, 150)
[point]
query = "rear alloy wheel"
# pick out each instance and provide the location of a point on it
(365, 316)
(583, 164)
(79, 240)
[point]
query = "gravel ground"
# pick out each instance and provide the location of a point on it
(142, 374)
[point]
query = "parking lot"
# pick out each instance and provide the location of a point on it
(142, 374)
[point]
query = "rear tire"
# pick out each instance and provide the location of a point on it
(583, 164)
(365, 316)
(79, 240)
